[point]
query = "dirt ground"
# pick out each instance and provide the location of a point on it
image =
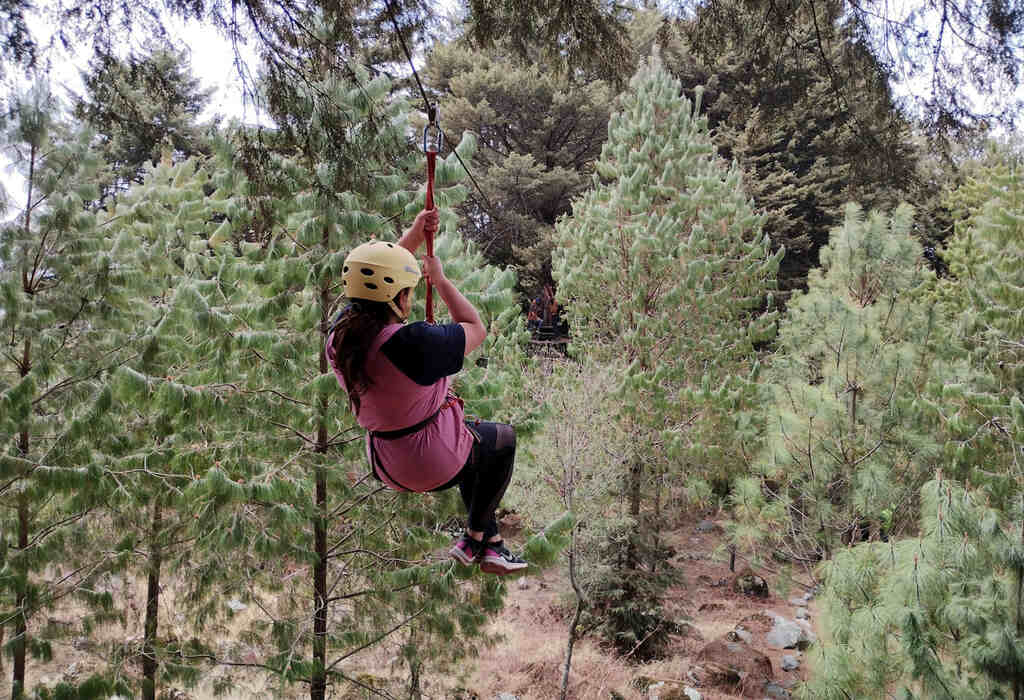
(529, 660)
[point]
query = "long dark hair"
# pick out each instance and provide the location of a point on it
(354, 333)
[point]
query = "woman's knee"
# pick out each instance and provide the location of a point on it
(505, 439)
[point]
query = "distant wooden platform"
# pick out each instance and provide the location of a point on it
(549, 347)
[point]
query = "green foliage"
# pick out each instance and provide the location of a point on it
(310, 541)
(664, 266)
(580, 35)
(625, 602)
(96, 687)
(666, 275)
(157, 437)
(60, 292)
(538, 131)
(938, 615)
(982, 298)
(850, 435)
(542, 548)
(811, 122)
(983, 256)
(139, 106)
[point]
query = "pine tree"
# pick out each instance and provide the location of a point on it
(665, 241)
(940, 614)
(935, 616)
(663, 265)
(850, 434)
(139, 106)
(59, 289)
(812, 122)
(290, 501)
(539, 133)
(156, 438)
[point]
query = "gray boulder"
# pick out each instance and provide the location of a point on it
(789, 634)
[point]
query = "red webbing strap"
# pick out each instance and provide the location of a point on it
(429, 235)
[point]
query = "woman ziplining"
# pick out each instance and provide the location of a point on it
(398, 380)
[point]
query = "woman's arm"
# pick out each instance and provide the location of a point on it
(426, 220)
(461, 311)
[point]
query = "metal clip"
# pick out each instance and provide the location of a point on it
(433, 137)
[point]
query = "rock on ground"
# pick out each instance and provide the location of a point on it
(732, 664)
(749, 583)
(789, 634)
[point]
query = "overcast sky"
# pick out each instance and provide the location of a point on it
(212, 61)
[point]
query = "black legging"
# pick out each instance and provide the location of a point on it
(485, 476)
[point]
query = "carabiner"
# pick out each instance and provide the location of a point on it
(433, 137)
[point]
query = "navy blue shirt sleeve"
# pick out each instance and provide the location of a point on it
(426, 353)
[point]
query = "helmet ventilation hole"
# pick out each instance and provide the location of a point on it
(367, 271)
(370, 285)
(389, 280)
(345, 269)
(391, 245)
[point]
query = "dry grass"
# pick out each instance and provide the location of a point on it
(527, 661)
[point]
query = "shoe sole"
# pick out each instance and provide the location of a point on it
(460, 556)
(501, 569)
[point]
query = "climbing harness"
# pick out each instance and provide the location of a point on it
(375, 462)
(433, 142)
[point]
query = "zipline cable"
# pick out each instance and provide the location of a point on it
(429, 109)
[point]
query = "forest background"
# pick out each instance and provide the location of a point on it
(794, 300)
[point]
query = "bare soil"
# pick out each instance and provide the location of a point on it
(529, 662)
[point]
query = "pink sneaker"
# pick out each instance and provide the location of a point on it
(497, 559)
(466, 550)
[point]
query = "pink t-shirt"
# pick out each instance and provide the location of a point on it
(433, 455)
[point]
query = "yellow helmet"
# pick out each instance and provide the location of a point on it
(378, 271)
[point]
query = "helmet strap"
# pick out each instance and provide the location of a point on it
(398, 312)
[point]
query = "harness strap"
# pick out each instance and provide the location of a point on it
(375, 461)
(402, 432)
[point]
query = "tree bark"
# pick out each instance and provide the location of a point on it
(20, 641)
(636, 473)
(149, 660)
(1018, 683)
(318, 683)
(26, 282)
(581, 603)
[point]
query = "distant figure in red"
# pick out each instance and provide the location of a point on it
(533, 317)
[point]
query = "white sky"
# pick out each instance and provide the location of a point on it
(212, 61)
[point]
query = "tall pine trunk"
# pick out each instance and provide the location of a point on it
(20, 642)
(149, 660)
(636, 475)
(581, 604)
(1018, 683)
(318, 683)
(21, 628)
